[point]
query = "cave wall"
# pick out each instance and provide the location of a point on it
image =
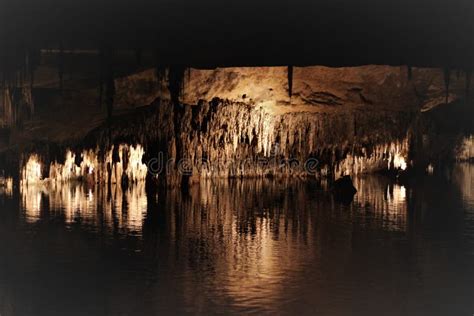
(222, 139)
(326, 89)
(16, 106)
(259, 122)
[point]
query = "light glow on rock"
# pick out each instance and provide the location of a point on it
(399, 162)
(92, 169)
(465, 151)
(136, 170)
(31, 173)
(6, 186)
(31, 197)
(67, 171)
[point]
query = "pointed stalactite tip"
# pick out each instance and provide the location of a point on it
(468, 81)
(290, 81)
(447, 79)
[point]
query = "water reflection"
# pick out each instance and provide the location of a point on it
(109, 208)
(384, 199)
(248, 237)
(112, 207)
(255, 246)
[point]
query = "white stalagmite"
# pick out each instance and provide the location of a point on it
(31, 172)
(91, 168)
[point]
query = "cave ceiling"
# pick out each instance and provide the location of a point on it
(210, 33)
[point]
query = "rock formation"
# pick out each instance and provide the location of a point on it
(244, 122)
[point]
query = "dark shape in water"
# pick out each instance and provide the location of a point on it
(344, 190)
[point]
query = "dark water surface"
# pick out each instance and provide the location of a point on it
(232, 247)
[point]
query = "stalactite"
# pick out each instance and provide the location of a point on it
(34, 59)
(8, 107)
(227, 139)
(468, 81)
(61, 65)
(409, 73)
(290, 81)
(176, 82)
(110, 83)
(101, 75)
(160, 70)
(138, 56)
(447, 79)
(110, 93)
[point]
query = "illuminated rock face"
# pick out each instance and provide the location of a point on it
(313, 88)
(120, 163)
(466, 149)
(223, 139)
(242, 122)
(6, 186)
(325, 89)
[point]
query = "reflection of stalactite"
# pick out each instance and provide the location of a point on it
(409, 73)
(290, 81)
(122, 209)
(447, 79)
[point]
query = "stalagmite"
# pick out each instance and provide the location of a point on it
(91, 167)
(32, 171)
